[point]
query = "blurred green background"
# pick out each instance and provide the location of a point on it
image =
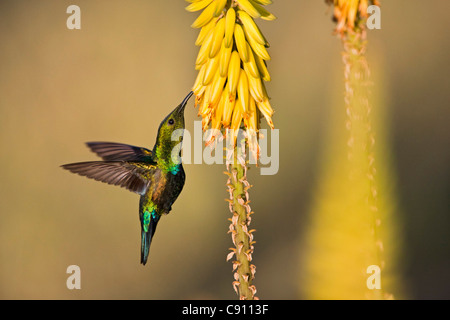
(116, 79)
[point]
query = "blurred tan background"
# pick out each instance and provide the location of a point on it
(116, 79)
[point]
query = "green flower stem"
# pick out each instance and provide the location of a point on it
(241, 236)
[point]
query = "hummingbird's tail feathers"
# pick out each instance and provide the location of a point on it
(146, 239)
(119, 173)
(113, 151)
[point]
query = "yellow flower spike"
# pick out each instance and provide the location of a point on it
(217, 40)
(242, 91)
(241, 43)
(206, 16)
(232, 66)
(248, 7)
(350, 13)
(230, 20)
(210, 71)
(198, 5)
(204, 31)
(234, 70)
(225, 56)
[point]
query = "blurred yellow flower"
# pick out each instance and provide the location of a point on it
(348, 13)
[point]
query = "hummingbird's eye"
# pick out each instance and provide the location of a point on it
(171, 121)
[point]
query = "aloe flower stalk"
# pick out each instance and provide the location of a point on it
(347, 229)
(351, 17)
(231, 96)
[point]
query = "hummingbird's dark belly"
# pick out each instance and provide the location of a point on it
(165, 189)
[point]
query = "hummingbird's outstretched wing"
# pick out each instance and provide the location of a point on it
(113, 151)
(133, 176)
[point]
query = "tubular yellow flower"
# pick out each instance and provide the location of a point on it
(228, 108)
(204, 31)
(256, 89)
(250, 28)
(259, 49)
(229, 27)
(234, 70)
(262, 68)
(267, 111)
(250, 66)
(237, 115)
(225, 55)
(217, 88)
(202, 56)
(241, 43)
(242, 91)
(206, 16)
(198, 5)
(219, 31)
(231, 65)
(210, 71)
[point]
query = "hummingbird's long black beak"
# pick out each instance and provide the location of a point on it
(184, 102)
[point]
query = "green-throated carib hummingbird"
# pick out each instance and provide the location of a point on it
(156, 175)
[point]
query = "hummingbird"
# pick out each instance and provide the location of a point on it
(156, 175)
